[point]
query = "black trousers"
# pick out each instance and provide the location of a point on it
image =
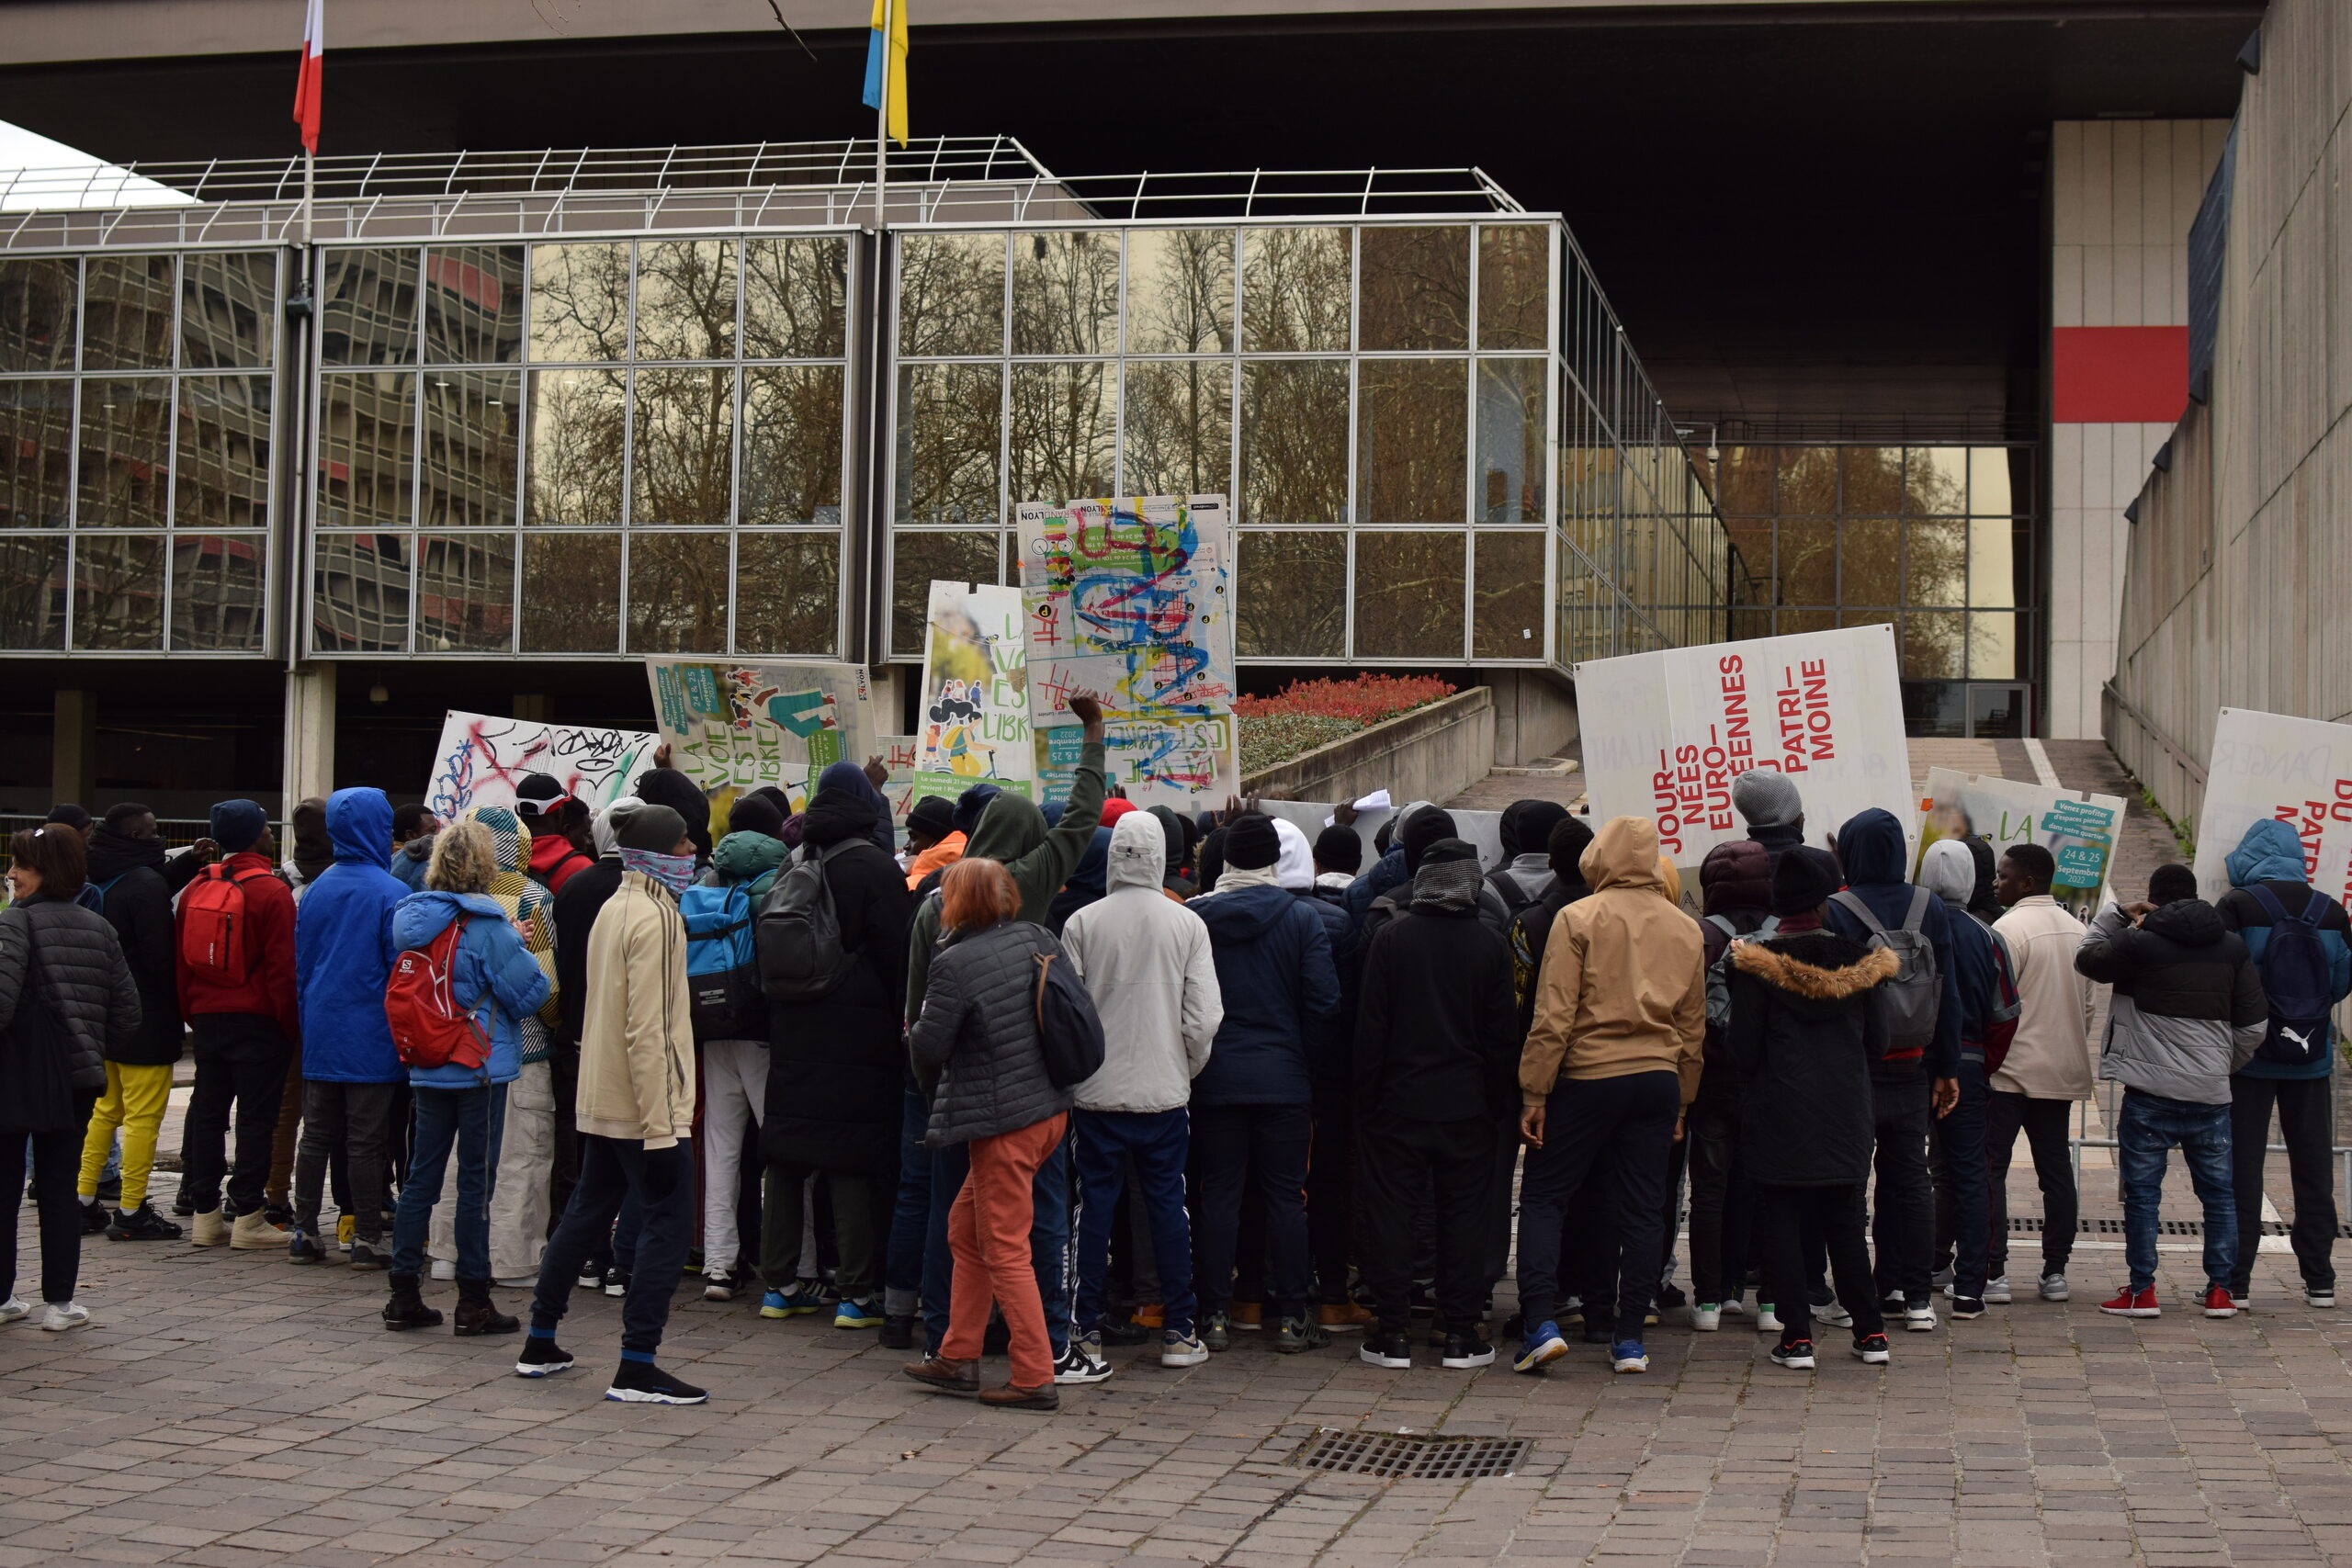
(345, 1123)
(1332, 1173)
(1449, 1165)
(1784, 1217)
(57, 1169)
(862, 1209)
(1721, 1204)
(2043, 1121)
(1262, 1148)
(241, 1061)
(1902, 1220)
(2307, 1127)
(1631, 1120)
(612, 1170)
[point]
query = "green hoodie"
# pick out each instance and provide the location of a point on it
(1013, 832)
(750, 857)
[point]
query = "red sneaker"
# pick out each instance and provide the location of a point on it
(2218, 1302)
(2129, 1303)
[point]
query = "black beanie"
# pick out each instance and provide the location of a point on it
(1422, 830)
(1250, 843)
(1571, 836)
(934, 813)
(2170, 884)
(1340, 848)
(1803, 880)
(755, 814)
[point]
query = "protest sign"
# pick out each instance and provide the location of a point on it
(735, 728)
(1187, 764)
(897, 753)
(481, 759)
(1665, 734)
(972, 725)
(2297, 770)
(1483, 831)
(2079, 830)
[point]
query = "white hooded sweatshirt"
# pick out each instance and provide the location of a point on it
(1146, 962)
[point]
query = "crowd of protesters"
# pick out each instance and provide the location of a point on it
(1270, 1087)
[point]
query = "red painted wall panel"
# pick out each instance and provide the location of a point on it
(2119, 375)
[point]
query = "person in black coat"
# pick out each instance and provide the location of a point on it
(836, 1070)
(1807, 1023)
(126, 869)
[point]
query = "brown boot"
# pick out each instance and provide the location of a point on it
(942, 1376)
(477, 1313)
(1011, 1396)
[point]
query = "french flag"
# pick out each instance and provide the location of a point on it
(306, 85)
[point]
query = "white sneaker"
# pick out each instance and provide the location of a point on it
(1178, 1349)
(1082, 1363)
(15, 1307)
(1767, 1320)
(59, 1316)
(520, 1282)
(2053, 1287)
(1834, 1315)
(2313, 1298)
(1996, 1291)
(1706, 1317)
(1942, 1279)
(1733, 1308)
(1918, 1319)
(444, 1268)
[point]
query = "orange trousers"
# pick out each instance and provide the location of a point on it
(987, 1233)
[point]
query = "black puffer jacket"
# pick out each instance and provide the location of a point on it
(977, 1036)
(81, 978)
(1806, 1027)
(2187, 1009)
(139, 907)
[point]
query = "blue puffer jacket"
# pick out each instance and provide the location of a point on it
(1869, 849)
(1387, 872)
(496, 977)
(1275, 972)
(2271, 853)
(344, 947)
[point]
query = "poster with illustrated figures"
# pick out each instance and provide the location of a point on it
(2079, 830)
(734, 728)
(972, 721)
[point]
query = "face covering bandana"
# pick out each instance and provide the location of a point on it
(675, 873)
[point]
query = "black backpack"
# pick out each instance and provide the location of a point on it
(802, 958)
(2295, 980)
(1068, 1029)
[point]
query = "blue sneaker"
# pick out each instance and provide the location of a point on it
(1542, 1344)
(1627, 1355)
(794, 1303)
(857, 1315)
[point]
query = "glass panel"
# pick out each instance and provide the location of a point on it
(1294, 441)
(571, 593)
(1066, 293)
(32, 591)
(473, 446)
(1866, 618)
(796, 297)
(1993, 646)
(367, 437)
(1290, 602)
(224, 455)
(1411, 439)
(1508, 605)
(1935, 710)
(682, 454)
(228, 308)
(118, 590)
(677, 593)
(1180, 427)
(919, 559)
(1934, 481)
(125, 453)
(1751, 541)
(1179, 291)
(1416, 288)
(37, 313)
(1786, 623)
(1871, 480)
(1990, 484)
(360, 592)
(1744, 480)
(1934, 646)
(1510, 440)
(1808, 482)
(792, 443)
(1999, 712)
(579, 421)
(127, 313)
(1295, 290)
(1065, 426)
(1807, 565)
(1869, 563)
(465, 593)
(1935, 563)
(36, 453)
(948, 437)
(686, 300)
(1514, 295)
(950, 294)
(1409, 595)
(217, 586)
(473, 305)
(1996, 545)
(788, 593)
(367, 310)
(579, 302)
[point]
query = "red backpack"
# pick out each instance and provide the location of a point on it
(430, 1029)
(213, 925)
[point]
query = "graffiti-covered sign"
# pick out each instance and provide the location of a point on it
(481, 759)
(733, 727)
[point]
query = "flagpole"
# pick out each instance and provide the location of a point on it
(882, 124)
(309, 183)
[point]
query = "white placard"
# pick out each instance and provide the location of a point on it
(482, 758)
(2274, 765)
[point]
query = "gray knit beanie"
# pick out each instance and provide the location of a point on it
(1765, 798)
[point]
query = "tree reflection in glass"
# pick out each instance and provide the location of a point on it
(677, 593)
(1416, 288)
(578, 433)
(796, 297)
(948, 435)
(1507, 605)
(1180, 427)
(950, 294)
(37, 298)
(1294, 289)
(1411, 439)
(1409, 595)
(571, 593)
(686, 300)
(1065, 419)
(32, 591)
(119, 592)
(36, 453)
(792, 443)
(1065, 292)
(1514, 291)
(1293, 598)
(788, 593)
(1294, 441)
(683, 452)
(579, 302)
(1179, 291)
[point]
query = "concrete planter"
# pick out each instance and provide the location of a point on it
(1430, 753)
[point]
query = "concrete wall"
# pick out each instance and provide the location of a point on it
(1535, 715)
(1431, 753)
(2240, 570)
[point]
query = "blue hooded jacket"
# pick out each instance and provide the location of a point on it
(496, 977)
(344, 948)
(1275, 972)
(2270, 852)
(1869, 849)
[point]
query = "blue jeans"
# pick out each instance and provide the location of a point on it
(1158, 1142)
(902, 1258)
(1049, 1241)
(473, 1121)
(2148, 1126)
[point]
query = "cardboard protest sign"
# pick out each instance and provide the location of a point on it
(1188, 764)
(2079, 830)
(2268, 765)
(481, 759)
(735, 728)
(972, 725)
(1665, 734)
(898, 754)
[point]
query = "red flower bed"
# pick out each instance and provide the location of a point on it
(1366, 699)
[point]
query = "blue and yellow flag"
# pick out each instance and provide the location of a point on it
(897, 67)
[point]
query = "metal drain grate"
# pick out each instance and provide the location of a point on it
(1409, 1456)
(2031, 1225)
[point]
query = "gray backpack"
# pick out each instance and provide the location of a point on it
(798, 935)
(1719, 972)
(1916, 993)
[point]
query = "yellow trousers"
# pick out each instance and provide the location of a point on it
(134, 1102)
